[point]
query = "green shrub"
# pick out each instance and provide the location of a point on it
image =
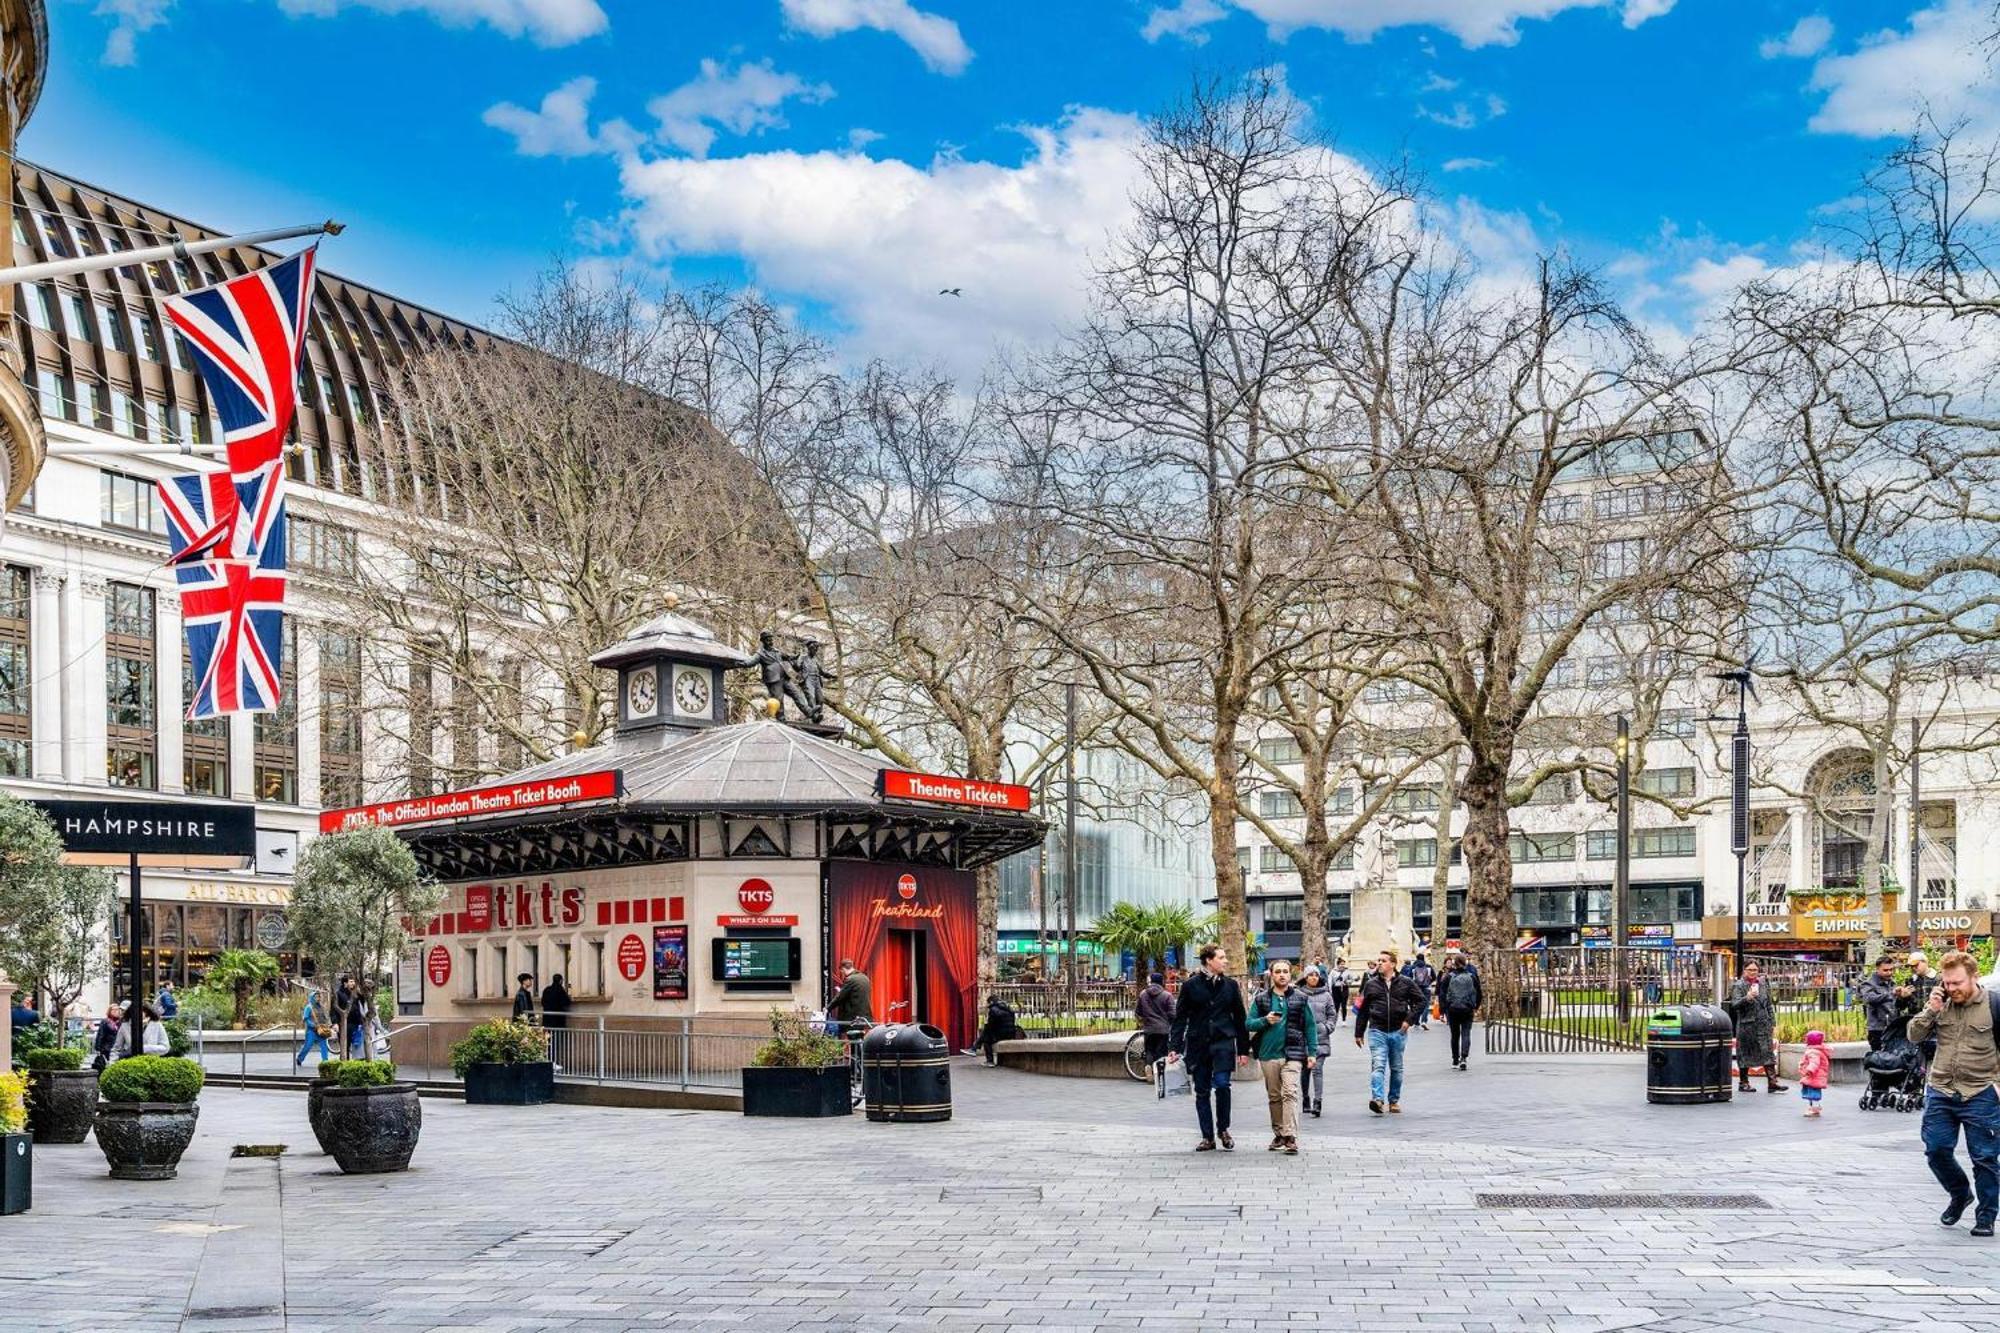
(212, 1008)
(13, 1101)
(43, 1036)
(179, 1040)
(150, 1078)
(56, 1057)
(329, 1071)
(364, 1073)
(501, 1042)
(798, 1043)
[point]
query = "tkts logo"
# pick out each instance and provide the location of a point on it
(906, 887)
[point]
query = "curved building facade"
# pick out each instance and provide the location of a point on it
(24, 51)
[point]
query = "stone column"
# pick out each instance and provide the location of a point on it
(1381, 906)
(306, 706)
(6, 1022)
(172, 705)
(1805, 872)
(46, 661)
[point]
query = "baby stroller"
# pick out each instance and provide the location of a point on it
(1895, 1072)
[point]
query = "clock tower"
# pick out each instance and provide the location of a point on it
(670, 675)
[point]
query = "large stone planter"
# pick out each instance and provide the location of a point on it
(527, 1084)
(62, 1103)
(17, 1173)
(798, 1093)
(316, 1110)
(145, 1140)
(371, 1130)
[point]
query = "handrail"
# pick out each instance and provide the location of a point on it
(243, 1051)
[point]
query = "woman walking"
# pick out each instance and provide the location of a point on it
(1756, 1019)
(1341, 983)
(318, 1029)
(1326, 1015)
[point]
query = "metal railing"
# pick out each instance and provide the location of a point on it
(1057, 1009)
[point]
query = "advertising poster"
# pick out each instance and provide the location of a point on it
(670, 962)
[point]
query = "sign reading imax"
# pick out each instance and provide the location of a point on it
(512, 798)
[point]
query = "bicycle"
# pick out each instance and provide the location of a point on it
(1136, 1063)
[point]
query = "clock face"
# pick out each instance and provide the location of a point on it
(691, 692)
(642, 692)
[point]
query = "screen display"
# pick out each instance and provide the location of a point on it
(757, 960)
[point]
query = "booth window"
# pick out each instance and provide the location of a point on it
(131, 737)
(205, 751)
(277, 731)
(339, 720)
(15, 675)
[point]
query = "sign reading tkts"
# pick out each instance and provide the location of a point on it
(600, 786)
(902, 785)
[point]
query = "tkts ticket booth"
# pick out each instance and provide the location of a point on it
(689, 868)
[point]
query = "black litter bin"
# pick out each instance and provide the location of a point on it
(906, 1073)
(1688, 1052)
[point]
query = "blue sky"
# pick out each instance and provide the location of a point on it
(853, 156)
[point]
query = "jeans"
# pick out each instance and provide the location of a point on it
(1385, 1060)
(1461, 1036)
(1875, 1036)
(1281, 1089)
(1209, 1068)
(1318, 1081)
(1980, 1115)
(313, 1039)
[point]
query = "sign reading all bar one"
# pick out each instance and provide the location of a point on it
(509, 799)
(901, 785)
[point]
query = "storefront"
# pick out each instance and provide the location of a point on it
(689, 868)
(186, 921)
(1832, 927)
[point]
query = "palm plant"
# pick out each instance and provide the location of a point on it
(1126, 928)
(239, 972)
(1174, 926)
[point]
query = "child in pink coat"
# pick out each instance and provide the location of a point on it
(1815, 1069)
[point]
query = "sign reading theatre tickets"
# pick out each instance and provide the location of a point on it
(507, 799)
(935, 788)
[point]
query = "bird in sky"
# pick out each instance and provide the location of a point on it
(952, 291)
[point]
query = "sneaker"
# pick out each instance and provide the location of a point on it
(1206, 1145)
(1978, 1228)
(1228, 1144)
(1292, 1150)
(1277, 1144)
(1954, 1210)
(1395, 1108)
(1375, 1106)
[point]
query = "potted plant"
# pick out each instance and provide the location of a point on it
(147, 1116)
(800, 1071)
(17, 1153)
(352, 894)
(62, 1094)
(505, 1063)
(367, 1120)
(323, 1078)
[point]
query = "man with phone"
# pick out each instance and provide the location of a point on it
(1210, 1035)
(1965, 1022)
(1287, 1038)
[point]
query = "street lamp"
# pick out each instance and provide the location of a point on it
(1621, 875)
(1739, 792)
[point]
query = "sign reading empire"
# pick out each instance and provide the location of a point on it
(902, 785)
(508, 799)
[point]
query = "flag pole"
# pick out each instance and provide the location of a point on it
(177, 248)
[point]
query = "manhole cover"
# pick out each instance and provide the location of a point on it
(1199, 1212)
(548, 1242)
(1567, 1202)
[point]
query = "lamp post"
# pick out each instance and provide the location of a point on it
(1739, 794)
(1621, 875)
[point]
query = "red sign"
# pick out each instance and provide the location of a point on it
(906, 887)
(504, 800)
(479, 907)
(756, 895)
(901, 785)
(631, 957)
(438, 965)
(756, 922)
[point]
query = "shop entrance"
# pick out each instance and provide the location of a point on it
(900, 977)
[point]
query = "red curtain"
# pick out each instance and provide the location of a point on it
(954, 961)
(856, 932)
(853, 890)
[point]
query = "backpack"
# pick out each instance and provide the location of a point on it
(1461, 991)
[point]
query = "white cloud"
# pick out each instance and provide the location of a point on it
(1185, 20)
(1939, 63)
(745, 100)
(1710, 281)
(932, 36)
(1468, 163)
(1473, 22)
(859, 138)
(548, 22)
(1808, 37)
(129, 18)
(874, 239)
(559, 128)
(1464, 115)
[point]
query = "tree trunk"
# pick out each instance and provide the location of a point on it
(1489, 889)
(1882, 822)
(1441, 873)
(1312, 880)
(1233, 924)
(986, 901)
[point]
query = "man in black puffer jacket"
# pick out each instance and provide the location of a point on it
(1209, 1033)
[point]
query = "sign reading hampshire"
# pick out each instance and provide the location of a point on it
(901, 785)
(512, 798)
(154, 828)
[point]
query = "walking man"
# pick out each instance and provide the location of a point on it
(1326, 1016)
(1460, 995)
(1964, 1020)
(1425, 976)
(1877, 993)
(1915, 993)
(1341, 983)
(555, 1003)
(524, 998)
(1287, 1040)
(1210, 1035)
(1156, 1018)
(1390, 1002)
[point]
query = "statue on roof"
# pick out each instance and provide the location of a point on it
(781, 680)
(812, 676)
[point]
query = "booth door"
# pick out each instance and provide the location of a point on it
(898, 976)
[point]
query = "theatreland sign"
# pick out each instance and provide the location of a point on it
(511, 798)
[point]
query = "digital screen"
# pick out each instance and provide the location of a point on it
(757, 960)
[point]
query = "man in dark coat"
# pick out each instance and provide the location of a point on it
(1877, 994)
(1000, 1026)
(1390, 1002)
(854, 1002)
(1460, 995)
(1210, 1036)
(1756, 1017)
(555, 1003)
(1156, 1017)
(524, 997)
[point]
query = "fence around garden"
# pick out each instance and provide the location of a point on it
(1058, 1009)
(1578, 1000)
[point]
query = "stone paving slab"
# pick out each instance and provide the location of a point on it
(1034, 1208)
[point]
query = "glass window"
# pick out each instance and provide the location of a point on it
(131, 503)
(1279, 804)
(277, 730)
(1602, 844)
(1540, 848)
(149, 338)
(339, 720)
(205, 749)
(81, 326)
(1242, 858)
(1273, 861)
(1343, 801)
(1672, 783)
(1416, 852)
(130, 696)
(324, 548)
(55, 395)
(113, 324)
(1619, 558)
(1674, 724)
(1284, 914)
(1280, 749)
(16, 673)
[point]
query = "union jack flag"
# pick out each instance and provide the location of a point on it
(232, 610)
(248, 335)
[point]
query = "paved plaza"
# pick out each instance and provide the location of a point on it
(1045, 1203)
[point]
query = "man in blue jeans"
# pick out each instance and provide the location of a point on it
(1390, 1002)
(1965, 1021)
(1210, 1033)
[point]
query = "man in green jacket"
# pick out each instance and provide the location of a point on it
(1284, 1038)
(1962, 1017)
